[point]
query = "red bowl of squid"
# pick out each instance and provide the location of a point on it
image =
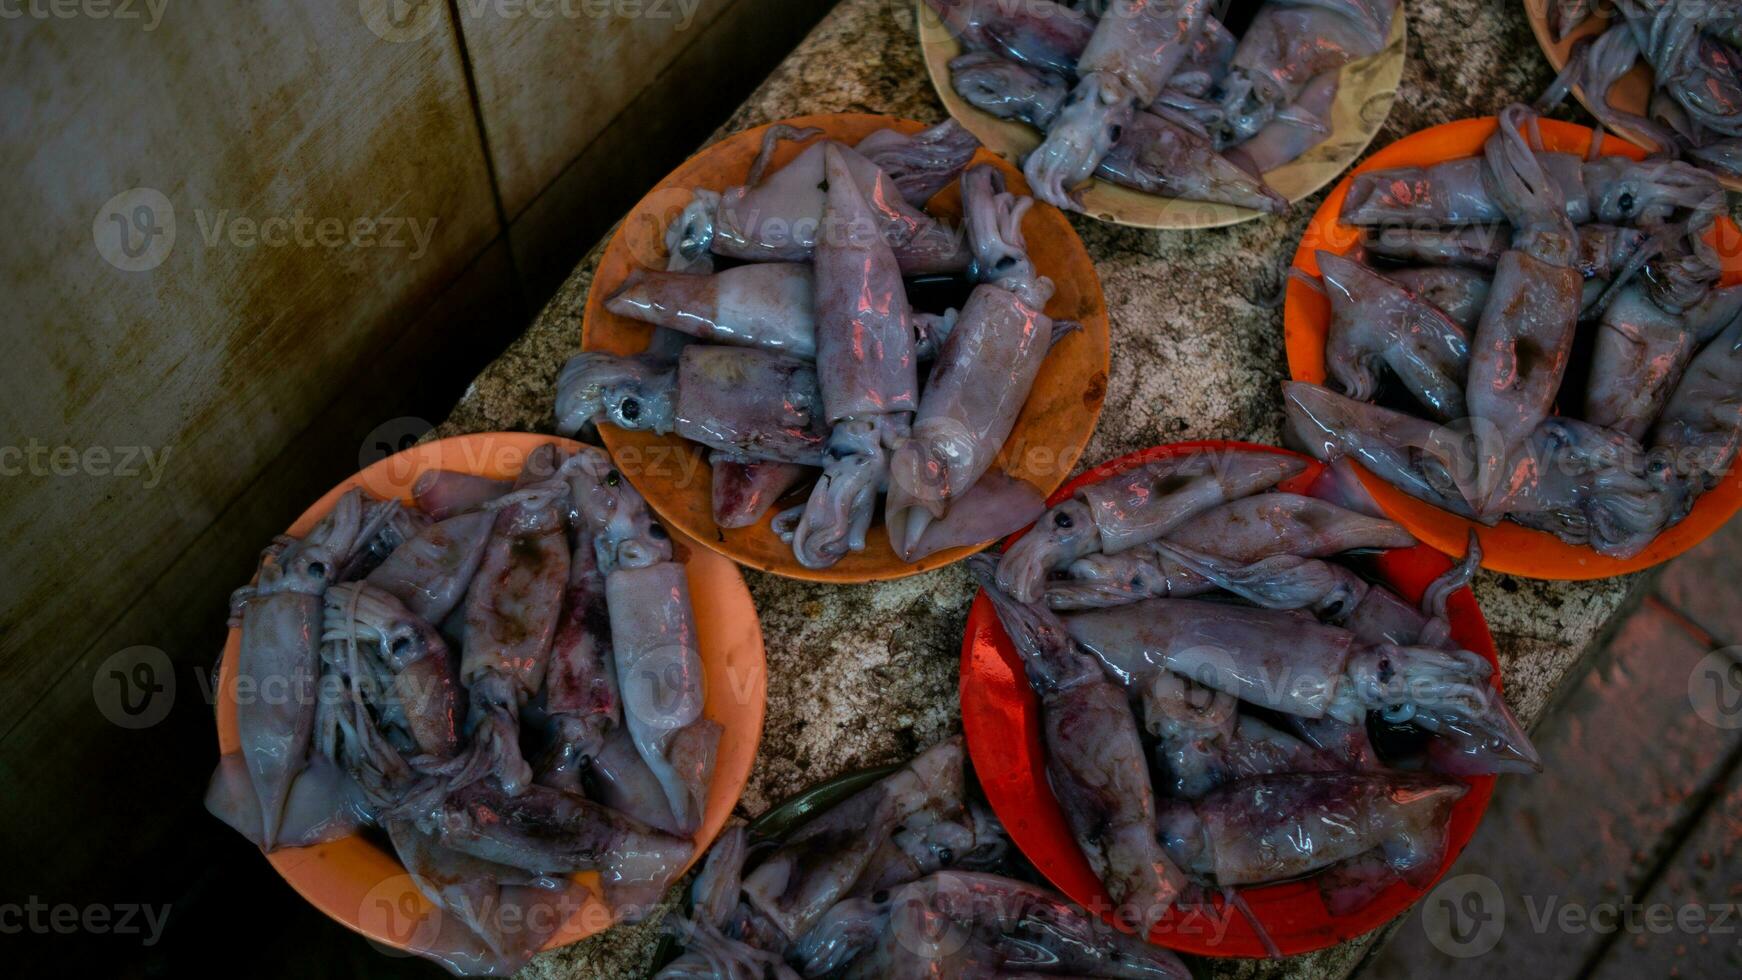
(357, 880)
(1002, 719)
(1507, 546)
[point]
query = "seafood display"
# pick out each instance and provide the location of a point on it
(790, 348)
(509, 691)
(1694, 50)
(1217, 661)
(911, 876)
(1161, 97)
(1517, 337)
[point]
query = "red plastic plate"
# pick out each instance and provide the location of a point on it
(1001, 716)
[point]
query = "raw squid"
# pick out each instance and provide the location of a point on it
(1460, 294)
(549, 832)
(619, 778)
(1203, 741)
(1245, 530)
(1643, 344)
(1420, 458)
(1476, 246)
(1135, 48)
(779, 219)
(745, 489)
(280, 616)
(1702, 423)
(581, 698)
(1134, 507)
(443, 493)
(981, 378)
(975, 926)
(1045, 35)
(1376, 321)
(866, 369)
(1286, 46)
(1609, 190)
(1293, 131)
(1153, 153)
(924, 163)
(511, 615)
(766, 305)
(653, 641)
(422, 690)
(1594, 486)
(1284, 826)
(1520, 349)
(821, 861)
(494, 917)
(1288, 662)
(750, 403)
(431, 572)
(1094, 758)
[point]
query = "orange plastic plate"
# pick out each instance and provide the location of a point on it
(1506, 547)
(1001, 716)
(360, 883)
(673, 473)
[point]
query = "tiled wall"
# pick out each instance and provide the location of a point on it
(247, 245)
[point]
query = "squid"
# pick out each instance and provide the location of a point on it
(1643, 344)
(1135, 48)
(1475, 246)
(923, 163)
(1289, 662)
(1701, 425)
(1593, 486)
(280, 617)
(442, 494)
(1135, 507)
(866, 369)
(1288, 45)
(749, 403)
(549, 832)
(1293, 131)
(1246, 530)
(766, 305)
(1287, 825)
(1611, 190)
(1520, 349)
(744, 489)
(1421, 458)
(1094, 758)
(1038, 33)
(431, 572)
(977, 386)
(581, 697)
(1460, 294)
(494, 917)
(975, 925)
(422, 689)
(1155, 153)
(511, 615)
(1376, 321)
(1203, 741)
(820, 863)
(779, 219)
(653, 642)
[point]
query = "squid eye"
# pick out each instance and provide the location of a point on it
(1004, 263)
(1626, 202)
(1114, 133)
(317, 568)
(630, 409)
(1062, 519)
(656, 532)
(400, 645)
(613, 478)
(946, 856)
